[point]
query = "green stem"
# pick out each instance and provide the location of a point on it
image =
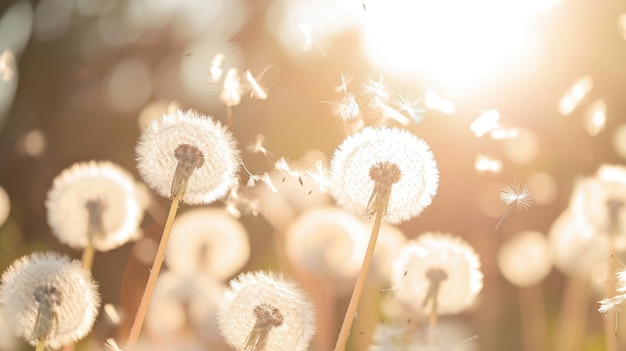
(154, 273)
(360, 284)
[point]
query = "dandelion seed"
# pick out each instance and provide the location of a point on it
(376, 88)
(95, 203)
(267, 179)
(231, 91)
(389, 112)
(434, 101)
(7, 65)
(514, 194)
(49, 298)
(318, 173)
(256, 90)
(258, 145)
(191, 151)
(488, 121)
(343, 87)
(283, 166)
(611, 305)
(409, 106)
(397, 156)
(484, 163)
(216, 67)
(264, 311)
(348, 108)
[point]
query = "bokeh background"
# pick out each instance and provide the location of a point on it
(87, 74)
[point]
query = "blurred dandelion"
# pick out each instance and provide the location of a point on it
(488, 121)
(525, 258)
(185, 302)
(330, 243)
(51, 300)
(215, 69)
(442, 274)
(256, 90)
(265, 311)
(5, 206)
(209, 241)
(516, 195)
(483, 164)
(573, 97)
(94, 205)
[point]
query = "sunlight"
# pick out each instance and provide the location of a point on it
(453, 43)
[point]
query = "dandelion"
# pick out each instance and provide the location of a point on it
(265, 311)
(192, 158)
(187, 301)
(328, 242)
(437, 271)
(207, 240)
(374, 152)
(5, 206)
(95, 205)
(189, 153)
(525, 258)
(51, 300)
(383, 171)
(514, 194)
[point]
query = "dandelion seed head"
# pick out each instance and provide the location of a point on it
(207, 240)
(157, 161)
(238, 312)
(328, 242)
(55, 280)
(352, 186)
(438, 256)
(96, 193)
(185, 301)
(525, 258)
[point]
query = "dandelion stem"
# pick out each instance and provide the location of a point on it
(41, 345)
(88, 255)
(360, 284)
(503, 217)
(571, 334)
(154, 273)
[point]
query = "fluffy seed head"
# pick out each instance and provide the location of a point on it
(397, 160)
(53, 290)
(266, 309)
(207, 240)
(97, 201)
(328, 242)
(188, 151)
(438, 261)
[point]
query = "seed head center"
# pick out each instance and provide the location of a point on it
(268, 315)
(385, 173)
(48, 295)
(189, 155)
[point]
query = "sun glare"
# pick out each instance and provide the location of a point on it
(453, 43)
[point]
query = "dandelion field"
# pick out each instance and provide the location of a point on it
(224, 168)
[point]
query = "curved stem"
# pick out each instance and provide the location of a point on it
(154, 273)
(360, 284)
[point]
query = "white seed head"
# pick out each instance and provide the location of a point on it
(185, 302)
(442, 259)
(577, 247)
(243, 314)
(329, 242)
(525, 258)
(207, 240)
(189, 152)
(601, 199)
(353, 187)
(97, 201)
(56, 291)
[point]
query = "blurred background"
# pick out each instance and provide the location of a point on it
(512, 91)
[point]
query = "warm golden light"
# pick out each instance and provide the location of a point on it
(454, 43)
